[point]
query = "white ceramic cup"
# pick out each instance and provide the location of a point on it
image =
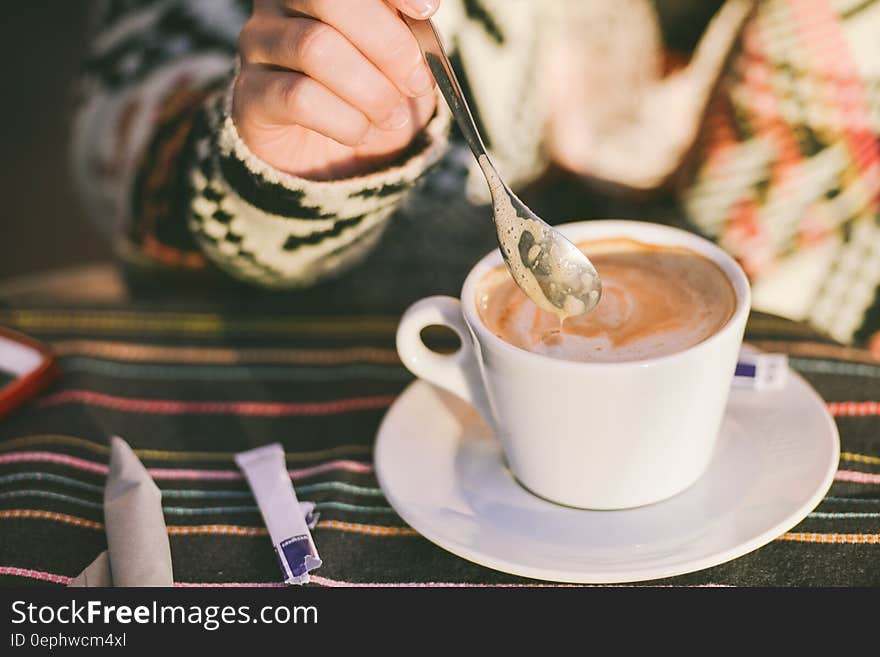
(589, 435)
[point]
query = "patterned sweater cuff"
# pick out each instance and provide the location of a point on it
(278, 230)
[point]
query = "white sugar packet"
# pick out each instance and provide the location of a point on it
(266, 472)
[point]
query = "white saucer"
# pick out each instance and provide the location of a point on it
(442, 470)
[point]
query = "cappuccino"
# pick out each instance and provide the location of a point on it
(656, 301)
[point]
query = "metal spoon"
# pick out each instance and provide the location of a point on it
(552, 271)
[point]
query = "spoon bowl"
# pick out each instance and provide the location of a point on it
(555, 274)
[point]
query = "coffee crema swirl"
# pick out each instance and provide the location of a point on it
(656, 301)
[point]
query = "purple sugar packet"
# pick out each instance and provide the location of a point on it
(760, 371)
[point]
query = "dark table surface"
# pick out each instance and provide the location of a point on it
(189, 387)
(189, 372)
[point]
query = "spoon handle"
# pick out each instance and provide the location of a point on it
(432, 48)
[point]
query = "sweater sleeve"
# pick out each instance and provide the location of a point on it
(159, 164)
(278, 230)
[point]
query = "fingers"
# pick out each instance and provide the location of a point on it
(287, 98)
(319, 51)
(376, 30)
(336, 68)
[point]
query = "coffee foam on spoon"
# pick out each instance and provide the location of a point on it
(511, 227)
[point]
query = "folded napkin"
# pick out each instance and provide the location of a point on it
(96, 574)
(137, 539)
(138, 552)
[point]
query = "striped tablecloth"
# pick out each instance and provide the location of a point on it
(188, 389)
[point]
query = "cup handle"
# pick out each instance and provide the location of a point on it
(459, 372)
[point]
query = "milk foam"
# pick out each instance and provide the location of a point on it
(655, 301)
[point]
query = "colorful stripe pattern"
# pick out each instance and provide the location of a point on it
(127, 352)
(26, 573)
(210, 386)
(175, 407)
(174, 455)
(195, 324)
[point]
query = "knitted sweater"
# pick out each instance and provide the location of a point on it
(160, 164)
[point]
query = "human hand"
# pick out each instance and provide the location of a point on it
(331, 88)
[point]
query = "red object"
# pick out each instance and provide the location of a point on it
(29, 385)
